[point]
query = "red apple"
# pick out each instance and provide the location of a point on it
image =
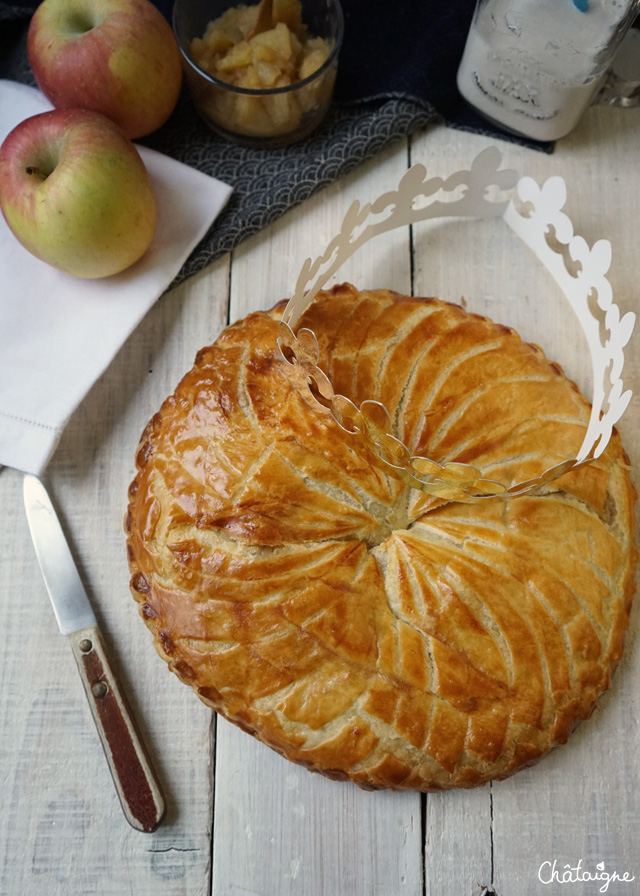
(118, 57)
(75, 192)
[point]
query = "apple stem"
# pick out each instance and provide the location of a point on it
(31, 170)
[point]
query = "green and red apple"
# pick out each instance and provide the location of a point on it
(117, 57)
(75, 192)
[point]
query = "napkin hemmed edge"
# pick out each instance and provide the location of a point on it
(20, 450)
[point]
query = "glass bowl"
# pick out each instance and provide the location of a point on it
(259, 116)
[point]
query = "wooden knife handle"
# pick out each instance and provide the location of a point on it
(130, 767)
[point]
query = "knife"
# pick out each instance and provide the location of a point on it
(132, 773)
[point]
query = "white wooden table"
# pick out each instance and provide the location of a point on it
(240, 819)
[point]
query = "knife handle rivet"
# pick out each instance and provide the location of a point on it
(99, 689)
(85, 645)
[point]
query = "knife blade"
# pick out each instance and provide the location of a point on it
(134, 778)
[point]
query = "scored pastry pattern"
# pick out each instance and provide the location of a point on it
(357, 626)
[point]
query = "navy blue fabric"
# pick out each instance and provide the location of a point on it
(409, 48)
(397, 73)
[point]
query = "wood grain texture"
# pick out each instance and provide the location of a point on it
(577, 804)
(61, 828)
(318, 848)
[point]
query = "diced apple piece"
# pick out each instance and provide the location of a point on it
(268, 73)
(251, 116)
(313, 60)
(283, 112)
(278, 40)
(263, 52)
(237, 57)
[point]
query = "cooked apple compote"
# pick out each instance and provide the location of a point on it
(277, 58)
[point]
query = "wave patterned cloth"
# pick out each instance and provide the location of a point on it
(358, 627)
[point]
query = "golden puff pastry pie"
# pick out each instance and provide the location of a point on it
(355, 625)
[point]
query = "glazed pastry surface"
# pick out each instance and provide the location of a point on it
(357, 626)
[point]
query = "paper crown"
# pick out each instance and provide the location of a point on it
(535, 215)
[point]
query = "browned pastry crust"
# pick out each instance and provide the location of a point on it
(358, 627)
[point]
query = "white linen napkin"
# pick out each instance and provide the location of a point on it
(58, 334)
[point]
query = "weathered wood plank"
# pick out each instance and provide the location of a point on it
(576, 805)
(278, 829)
(61, 828)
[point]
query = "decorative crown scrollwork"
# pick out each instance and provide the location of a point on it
(537, 218)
